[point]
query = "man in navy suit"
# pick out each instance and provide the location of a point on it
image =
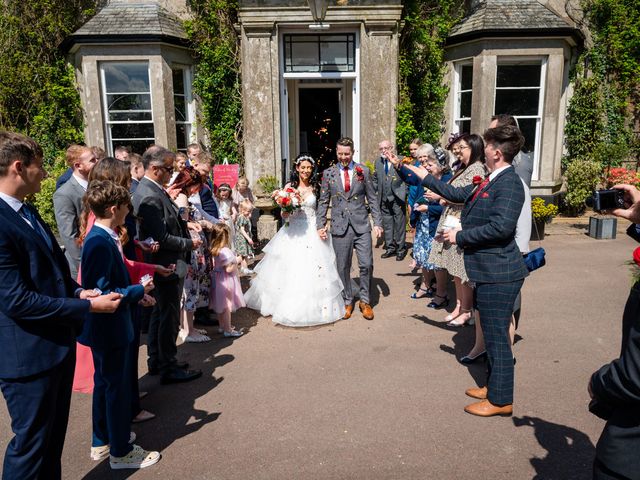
(41, 310)
(491, 258)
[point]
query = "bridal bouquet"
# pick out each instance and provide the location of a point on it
(288, 199)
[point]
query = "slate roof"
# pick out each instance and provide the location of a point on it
(509, 15)
(132, 19)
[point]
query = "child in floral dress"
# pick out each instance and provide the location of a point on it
(243, 241)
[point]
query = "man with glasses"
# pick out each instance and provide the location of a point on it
(159, 219)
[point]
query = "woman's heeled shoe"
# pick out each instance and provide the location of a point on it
(467, 320)
(438, 305)
(453, 315)
(428, 292)
(468, 359)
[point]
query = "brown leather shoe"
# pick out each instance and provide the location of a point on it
(348, 310)
(480, 393)
(367, 311)
(484, 408)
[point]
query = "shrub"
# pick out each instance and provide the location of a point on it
(582, 178)
(622, 175)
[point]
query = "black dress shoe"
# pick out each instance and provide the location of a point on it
(182, 365)
(467, 360)
(179, 365)
(153, 371)
(400, 256)
(180, 376)
(387, 254)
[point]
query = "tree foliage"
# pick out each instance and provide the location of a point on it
(217, 78)
(427, 23)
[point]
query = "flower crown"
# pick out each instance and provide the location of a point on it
(305, 158)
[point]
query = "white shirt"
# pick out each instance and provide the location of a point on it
(496, 172)
(351, 166)
(83, 182)
(154, 182)
(13, 202)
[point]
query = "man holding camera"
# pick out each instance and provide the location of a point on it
(615, 388)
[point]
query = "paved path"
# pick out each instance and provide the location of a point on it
(384, 399)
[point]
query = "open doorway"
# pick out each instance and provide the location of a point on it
(320, 123)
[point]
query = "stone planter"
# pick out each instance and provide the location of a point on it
(267, 223)
(603, 227)
(537, 229)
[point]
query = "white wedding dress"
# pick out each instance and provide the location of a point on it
(297, 282)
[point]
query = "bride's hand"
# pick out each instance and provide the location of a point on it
(284, 215)
(322, 232)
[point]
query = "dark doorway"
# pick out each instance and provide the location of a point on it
(320, 124)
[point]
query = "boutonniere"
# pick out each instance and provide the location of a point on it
(484, 195)
(477, 180)
(635, 265)
(359, 173)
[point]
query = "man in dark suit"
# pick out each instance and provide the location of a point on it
(41, 310)
(615, 388)
(159, 219)
(392, 198)
(491, 258)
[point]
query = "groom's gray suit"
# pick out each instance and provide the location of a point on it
(350, 226)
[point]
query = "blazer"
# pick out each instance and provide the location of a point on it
(39, 316)
(397, 187)
(616, 394)
(64, 178)
(347, 207)
(67, 204)
(158, 218)
(103, 267)
(435, 209)
(488, 226)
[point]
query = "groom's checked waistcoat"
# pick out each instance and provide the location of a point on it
(347, 207)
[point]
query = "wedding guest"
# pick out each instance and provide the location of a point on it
(469, 149)
(523, 162)
(241, 192)
(100, 153)
(204, 200)
(197, 282)
(136, 171)
(392, 198)
(243, 240)
(492, 259)
(122, 153)
(109, 336)
(615, 387)
(227, 296)
(414, 191)
(228, 212)
(193, 150)
(41, 310)
(178, 166)
(67, 202)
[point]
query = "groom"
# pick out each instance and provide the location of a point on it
(345, 186)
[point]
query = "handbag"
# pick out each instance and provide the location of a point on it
(535, 258)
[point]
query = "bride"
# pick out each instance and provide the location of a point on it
(297, 282)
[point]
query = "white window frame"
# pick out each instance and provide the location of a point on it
(187, 78)
(516, 61)
(458, 91)
(105, 104)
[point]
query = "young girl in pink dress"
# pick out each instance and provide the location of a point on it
(226, 293)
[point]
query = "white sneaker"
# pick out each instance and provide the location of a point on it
(100, 453)
(196, 338)
(247, 271)
(136, 458)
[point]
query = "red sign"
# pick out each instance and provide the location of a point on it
(226, 174)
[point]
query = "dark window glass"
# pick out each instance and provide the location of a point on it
(466, 77)
(129, 116)
(465, 126)
(465, 105)
(126, 77)
(518, 75)
(129, 102)
(181, 108)
(319, 53)
(136, 146)
(123, 131)
(517, 102)
(182, 135)
(528, 129)
(178, 82)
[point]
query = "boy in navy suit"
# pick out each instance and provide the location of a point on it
(109, 336)
(41, 310)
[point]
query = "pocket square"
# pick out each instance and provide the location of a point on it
(484, 195)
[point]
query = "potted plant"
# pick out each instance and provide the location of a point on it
(602, 226)
(542, 213)
(267, 223)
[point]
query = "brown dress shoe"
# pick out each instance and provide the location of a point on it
(367, 311)
(479, 393)
(485, 408)
(348, 310)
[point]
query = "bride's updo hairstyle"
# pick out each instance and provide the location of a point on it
(294, 180)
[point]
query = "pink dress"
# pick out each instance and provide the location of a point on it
(226, 293)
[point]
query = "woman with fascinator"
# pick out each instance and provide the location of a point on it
(297, 282)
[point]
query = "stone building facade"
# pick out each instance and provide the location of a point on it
(307, 82)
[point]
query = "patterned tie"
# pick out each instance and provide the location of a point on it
(347, 183)
(30, 215)
(480, 187)
(386, 166)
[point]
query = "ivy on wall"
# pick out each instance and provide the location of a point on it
(427, 23)
(38, 95)
(217, 79)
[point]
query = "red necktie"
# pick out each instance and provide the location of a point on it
(480, 187)
(347, 183)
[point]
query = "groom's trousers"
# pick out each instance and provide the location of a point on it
(344, 245)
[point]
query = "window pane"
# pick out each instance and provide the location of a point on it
(464, 126)
(518, 75)
(465, 105)
(466, 77)
(181, 108)
(129, 116)
(129, 102)
(517, 102)
(136, 146)
(126, 77)
(178, 81)
(333, 53)
(528, 129)
(319, 53)
(183, 131)
(305, 54)
(132, 130)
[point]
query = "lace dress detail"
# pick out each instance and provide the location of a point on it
(297, 282)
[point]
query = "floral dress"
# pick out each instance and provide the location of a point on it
(242, 247)
(422, 242)
(197, 282)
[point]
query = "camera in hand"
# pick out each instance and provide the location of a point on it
(606, 200)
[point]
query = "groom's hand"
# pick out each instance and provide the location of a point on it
(322, 232)
(378, 231)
